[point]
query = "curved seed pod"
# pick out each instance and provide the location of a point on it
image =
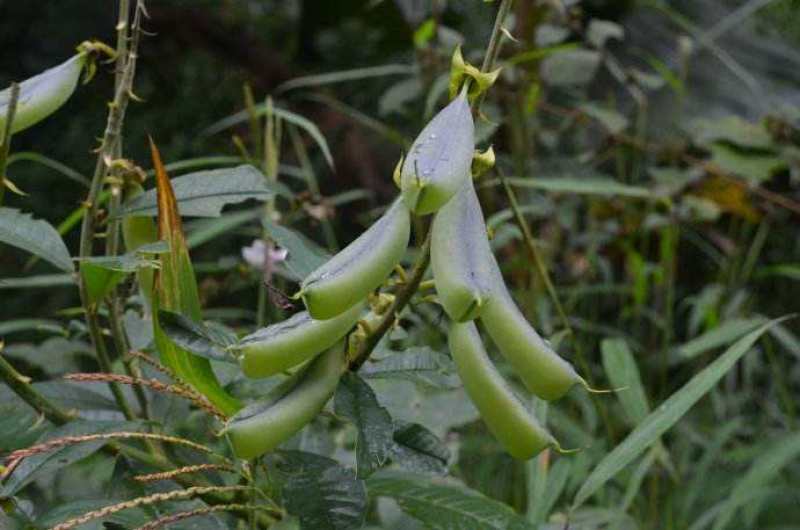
(508, 420)
(43, 94)
(440, 158)
(542, 370)
(349, 276)
(263, 426)
(461, 258)
(281, 346)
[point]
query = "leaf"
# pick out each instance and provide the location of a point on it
(49, 462)
(101, 274)
(37, 237)
(204, 230)
(42, 95)
(570, 67)
(193, 337)
(320, 492)
(30, 324)
(125, 519)
(356, 401)
(291, 117)
(612, 120)
(38, 281)
(666, 415)
(417, 364)
(587, 186)
(763, 469)
(418, 450)
(177, 291)
(600, 32)
(755, 167)
(204, 193)
(724, 334)
(346, 75)
(440, 505)
(19, 427)
(621, 369)
(303, 257)
(732, 129)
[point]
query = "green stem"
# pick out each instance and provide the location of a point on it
(22, 387)
(5, 147)
(106, 152)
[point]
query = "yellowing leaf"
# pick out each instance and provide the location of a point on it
(176, 290)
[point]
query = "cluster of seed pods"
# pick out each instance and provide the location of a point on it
(435, 178)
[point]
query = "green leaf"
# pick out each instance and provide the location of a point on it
(204, 193)
(584, 186)
(103, 273)
(176, 288)
(42, 95)
(570, 67)
(37, 237)
(612, 120)
(38, 281)
(342, 76)
(130, 518)
(731, 129)
(320, 492)
(418, 450)
(755, 167)
(303, 257)
(30, 324)
(621, 369)
(195, 338)
(417, 364)
(291, 117)
(440, 505)
(204, 230)
(724, 334)
(19, 427)
(50, 461)
(356, 401)
(666, 415)
(766, 466)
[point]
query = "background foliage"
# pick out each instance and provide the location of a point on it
(654, 149)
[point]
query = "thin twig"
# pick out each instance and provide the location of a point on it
(180, 516)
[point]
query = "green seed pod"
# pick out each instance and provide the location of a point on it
(508, 420)
(43, 94)
(263, 426)
(461, 258)
(281, 346)
(440, 158)
(542, 370)
(349, 276)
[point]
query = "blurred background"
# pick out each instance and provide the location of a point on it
(654, 146)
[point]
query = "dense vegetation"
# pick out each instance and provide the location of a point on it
(191, 179)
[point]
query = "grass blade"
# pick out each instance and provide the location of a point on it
(666, 415)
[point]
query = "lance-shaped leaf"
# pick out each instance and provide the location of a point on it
(36, 236)
(176, 290)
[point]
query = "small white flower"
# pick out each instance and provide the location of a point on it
(263, 254)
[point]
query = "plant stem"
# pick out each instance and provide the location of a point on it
(5, 147)
(22, 387)
(106, 151)
(404, 295)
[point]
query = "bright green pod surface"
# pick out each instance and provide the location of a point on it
(542, 370)
(137, 232)
(281, 346)
(505, 416)
(358, 269)
(43, 94)
(439, 160)
(263, 426)
(461, 258)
